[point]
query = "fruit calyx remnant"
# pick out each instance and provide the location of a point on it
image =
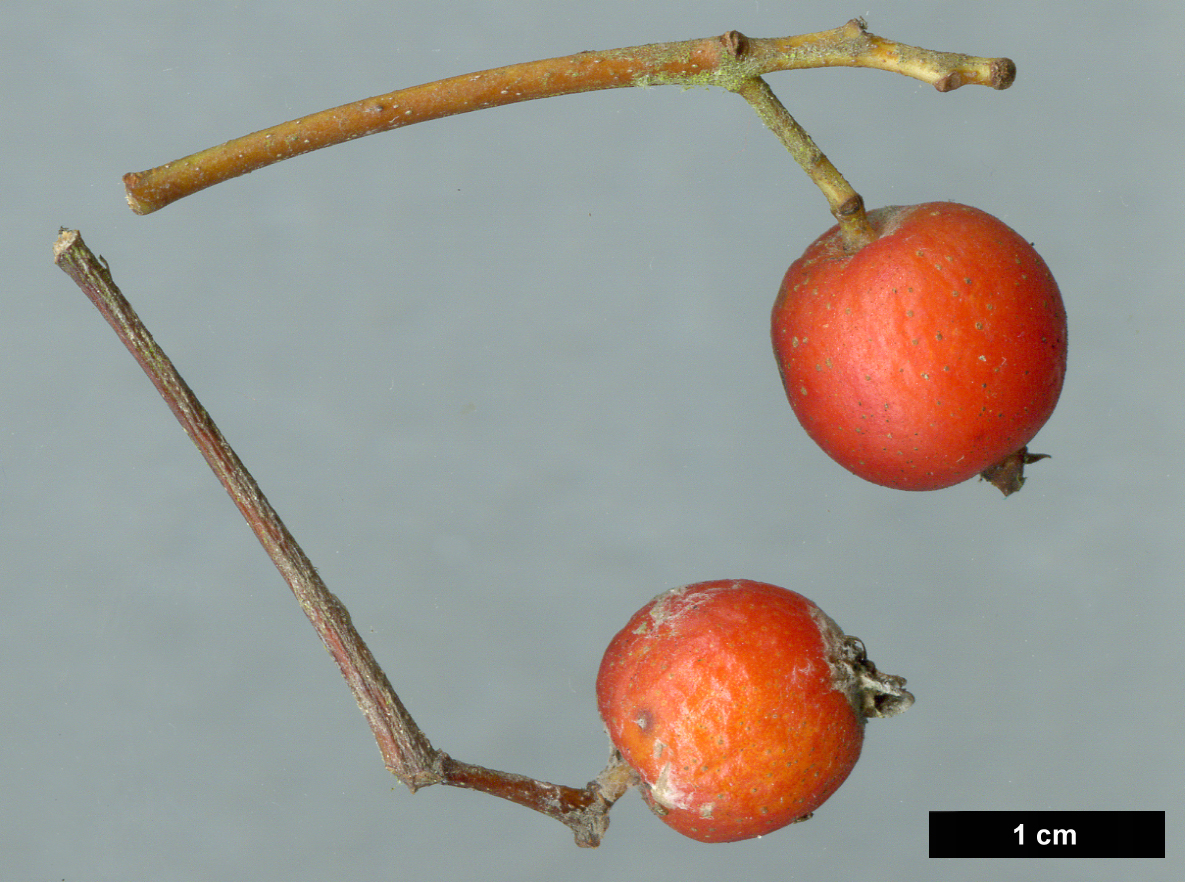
(1008, 475)
(871, 693)
(881, 695)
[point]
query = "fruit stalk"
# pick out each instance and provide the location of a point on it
(406, 750)
(846, 204)
(729, 61)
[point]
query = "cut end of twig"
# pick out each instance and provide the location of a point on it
(1003, 73)
(66, 240)
(131, 182)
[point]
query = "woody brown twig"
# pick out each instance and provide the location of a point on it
(406, 750)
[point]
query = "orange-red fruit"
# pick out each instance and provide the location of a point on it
(739, 705)
(928, 355)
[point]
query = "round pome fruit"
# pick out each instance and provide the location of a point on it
(739, 705)
(931, 354)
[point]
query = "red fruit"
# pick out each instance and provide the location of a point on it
(739, 705)
(928, 356)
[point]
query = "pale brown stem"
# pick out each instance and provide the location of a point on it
(846, 204)
(406, 750)
(728, 62)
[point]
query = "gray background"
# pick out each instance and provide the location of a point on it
(506, 376)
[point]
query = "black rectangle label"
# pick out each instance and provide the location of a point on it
(1047, 834)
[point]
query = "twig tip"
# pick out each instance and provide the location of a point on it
(1003, 73)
